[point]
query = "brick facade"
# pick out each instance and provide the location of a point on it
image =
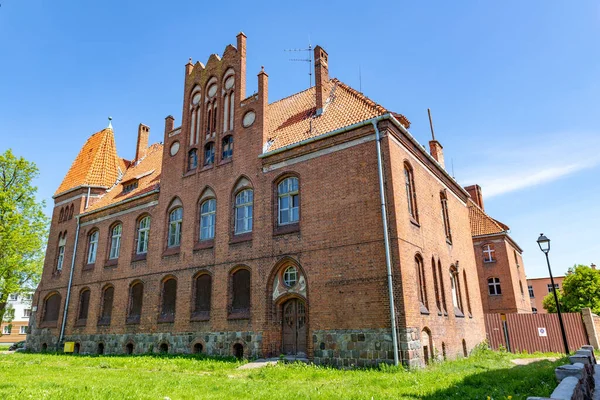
(539, 288)
(336, 245)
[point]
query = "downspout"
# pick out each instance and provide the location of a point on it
(87, 199)
(64, 321)
(386, 240)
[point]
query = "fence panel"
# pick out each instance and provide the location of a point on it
(494, 331)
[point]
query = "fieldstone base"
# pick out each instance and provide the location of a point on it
(211, 343)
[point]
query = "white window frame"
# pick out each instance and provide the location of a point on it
(208, 212)
(530, 290)
(93, 247)
(6, 330)
(13, 297)
(488, 253)
(174, 239)
(143, 235)
(495, 284)
(115, 242)
(209, 153)
(26, 312)
(23, 330)
(556, 287)
(244, 202)
(288, 189)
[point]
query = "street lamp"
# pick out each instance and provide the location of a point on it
(544, 244)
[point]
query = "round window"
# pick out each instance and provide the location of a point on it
(290, 276)
(174, 148)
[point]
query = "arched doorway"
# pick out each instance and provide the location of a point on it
(294, 327)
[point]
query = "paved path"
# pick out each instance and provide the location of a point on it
(263, 362)
(525, 361)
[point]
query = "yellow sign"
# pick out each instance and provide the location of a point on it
(69, 347)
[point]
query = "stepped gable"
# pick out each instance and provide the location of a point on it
(147, 174)
(289, 119)
(483, 224)
(97, 164)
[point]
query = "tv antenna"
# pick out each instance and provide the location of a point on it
(308, 60)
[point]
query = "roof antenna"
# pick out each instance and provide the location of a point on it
(431, 124)
(452, 161)
(109, 123)
(309, 60)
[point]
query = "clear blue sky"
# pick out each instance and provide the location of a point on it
(513, 86)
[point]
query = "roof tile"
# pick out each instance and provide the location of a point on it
(483, 224)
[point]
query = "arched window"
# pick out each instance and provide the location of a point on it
(240, 292)
(467, 293)
(209, 153)
(494, 288)
(136, 296)
(71, 209)
(169, 297)
(115, 242)
(445, 216)
(92, 247)
(211, 107)
(288, 201)
(421, 283)
(244, 201)
(411, 195)
(84, 305)
(521, 287)
(228, 100)
(51, 308)
(442, 287)
(195, 115)
(435, 285)
(175, 220)
(202, 295)
(62, 242)
(143, 234)
(227, 147)
(455, 286)
(208, 211)
(192, 159)
(61, 215)
(489, 253)
(107, 304)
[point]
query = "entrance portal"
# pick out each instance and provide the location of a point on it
(294, 327)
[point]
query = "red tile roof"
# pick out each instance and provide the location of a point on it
(483, 224)
(96, 165)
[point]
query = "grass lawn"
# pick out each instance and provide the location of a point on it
(50, 376)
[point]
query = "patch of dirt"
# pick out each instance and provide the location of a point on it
(525, 361)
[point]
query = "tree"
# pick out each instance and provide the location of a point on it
(23, 228)
(581, 289)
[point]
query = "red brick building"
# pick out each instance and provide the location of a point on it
(502, 279)
(256, 229)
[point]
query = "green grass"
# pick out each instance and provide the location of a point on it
(4, 347)
(50, 376)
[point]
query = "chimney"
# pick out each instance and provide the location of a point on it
(263, 101)
(169, 123)
(321, 77)
(241, 48)
(189, 67)
(476, 195)
(142, 142)
(593, 265)
(436, 151)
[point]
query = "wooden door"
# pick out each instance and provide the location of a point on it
(294, 327)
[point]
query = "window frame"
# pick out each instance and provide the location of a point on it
(164, 316)
(93, 239)
(531, 292)
(192, 167)
(421, 284)
(209, 154)
(456, 291)
(230, 143)
(44, 323)
(248, 216)
(139, 230)
(129, 318)
(289, 193)
(446, 216)
(178, 223)
(82, 320)
(239, 313)
(102, 318)
(114, 243)
(196, 314)
(211, 215)
(60, 253)
(411, 193)
(488, 250)
(293, 226)
(495, 286)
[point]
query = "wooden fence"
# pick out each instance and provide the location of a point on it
(534, 332)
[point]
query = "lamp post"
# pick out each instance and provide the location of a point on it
(544, 244)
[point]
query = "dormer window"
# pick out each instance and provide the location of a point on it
(129, 186)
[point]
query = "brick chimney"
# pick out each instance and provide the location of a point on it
(241, 48)
(169, 124)
(321, 77)
(476, 195)
(142, 142)
(263, 101)
(436, 151)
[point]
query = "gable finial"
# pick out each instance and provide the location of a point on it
(109, 123)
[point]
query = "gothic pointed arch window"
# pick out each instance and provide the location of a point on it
(456, 291)
(62, 243)
(136, 297)
(442, 288)
(115, 241)
(202, 295)
(175, 220)
(192, 159)
(228, 100)
(445, 216)
(411, 195)
(62, 215)
(209, 153)
(84, 305)
(244, 203)
(195, 115)
(421, 284)
(288, 201)
(436, 285)
(467, 293)
(142, 235)
(108, 294)
(92, 246)
(71, 210)
(168, 300)
(51, 309)
(227, 147)
(211, 107)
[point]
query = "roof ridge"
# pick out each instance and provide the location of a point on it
(361, 96)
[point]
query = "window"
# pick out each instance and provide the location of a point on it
(6, 330)
(228, 100)
(51, 308)
(240, 283)
(84, 305)
(143, 234)
(550, 287)
(494, 288)
(62, 242)
(196, 96)
(192, 159)
(421, 282)
(207, 219)
(521, 287)
(530, 288)
(115, 242)
(534, 310)
(169, 296)
(92, 247)
(467, 292)
(445, 216)
(26, 313)
(411, 195)
(107, 304)
(455, 286)
(71, 209)
(202, 294)
(128, 187)
(13, 297)
(27, 297)
(290, 276)
(227, 147)
(442, 288)
(243, 211)
(23, 329)
(289, 201)
(435, 285)
(209, 153)
(516, 258)
(175, 219)
(61, 216)
(489, 253)
(136, 296)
